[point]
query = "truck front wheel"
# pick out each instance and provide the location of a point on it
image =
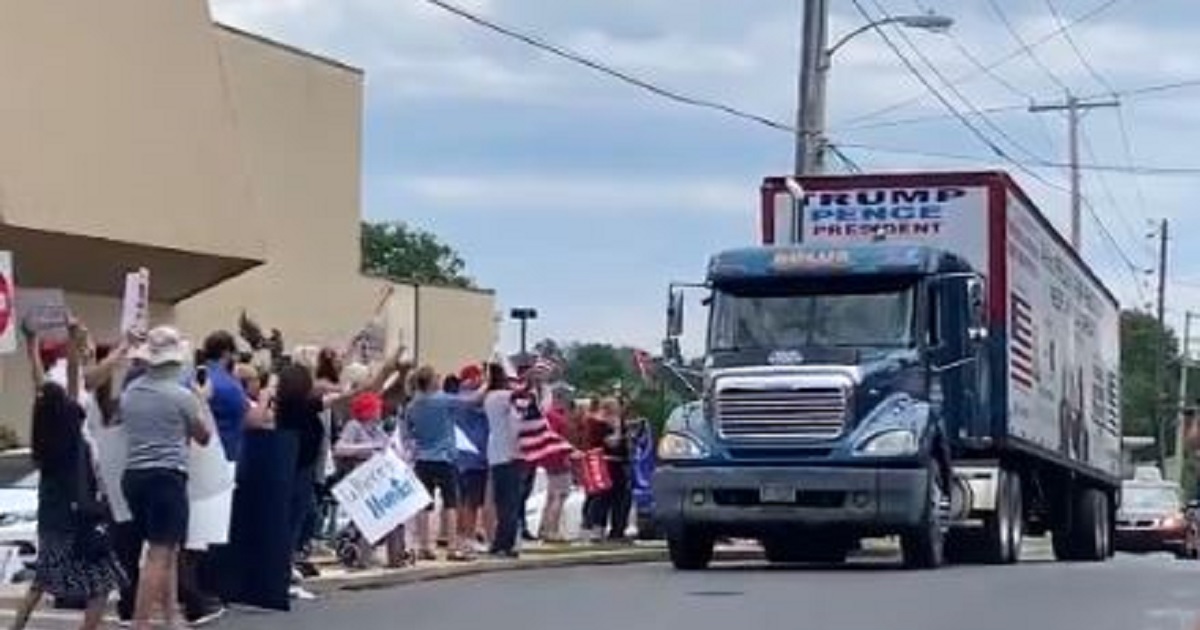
(690, 549)
(925, 546)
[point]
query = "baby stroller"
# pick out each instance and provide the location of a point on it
(349, 546)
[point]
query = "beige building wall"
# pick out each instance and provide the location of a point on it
(115, 124)
(455, 327)
(139, 133)
(301, 122)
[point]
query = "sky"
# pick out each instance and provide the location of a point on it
(584, 197)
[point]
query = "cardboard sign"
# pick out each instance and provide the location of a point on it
(44, 311)
(370, 343)
(380, 495)
(135, 305)
(8, 324)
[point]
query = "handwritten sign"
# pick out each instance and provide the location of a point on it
(380, 495)
(44, 311)
(135, 306)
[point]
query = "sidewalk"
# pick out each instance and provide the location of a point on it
(335, 578)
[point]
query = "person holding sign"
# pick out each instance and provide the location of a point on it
(75, 558)
(297, 407)
(362, 438)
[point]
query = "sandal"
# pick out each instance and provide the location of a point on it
(459, 556)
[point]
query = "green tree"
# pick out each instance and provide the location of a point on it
(394, 250)
(1140, 336)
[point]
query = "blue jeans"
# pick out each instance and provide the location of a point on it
(506, 486)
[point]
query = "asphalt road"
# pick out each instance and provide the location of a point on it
(1129, 593)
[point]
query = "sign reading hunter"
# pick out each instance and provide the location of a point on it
(380, 495)
(953, 218)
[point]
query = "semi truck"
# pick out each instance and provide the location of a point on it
(919, 356)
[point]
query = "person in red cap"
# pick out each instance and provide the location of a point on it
(362, 437)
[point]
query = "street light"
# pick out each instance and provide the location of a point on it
(523, 315)
(816, 60)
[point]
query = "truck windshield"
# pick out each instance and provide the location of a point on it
(749, 317)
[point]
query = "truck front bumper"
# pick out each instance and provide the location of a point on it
(750, 501)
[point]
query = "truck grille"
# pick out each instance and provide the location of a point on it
(755, 414)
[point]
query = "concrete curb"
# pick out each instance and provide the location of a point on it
(387, 579)
(380, 579)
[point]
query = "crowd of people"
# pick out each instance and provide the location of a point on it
(475, 438)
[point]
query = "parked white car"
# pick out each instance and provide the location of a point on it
(18, 505)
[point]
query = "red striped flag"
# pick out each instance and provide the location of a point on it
(644, 363)
(538, 442)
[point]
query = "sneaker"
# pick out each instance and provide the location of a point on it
(503, 555)
(299, 592)
(122, 622)
(207, 617)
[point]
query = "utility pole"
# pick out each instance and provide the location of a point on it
(1075, 108)
(1185, 363)
(1160, 348)
(810, 108)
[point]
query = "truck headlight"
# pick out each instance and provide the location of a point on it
(676, 446)
(895, 442)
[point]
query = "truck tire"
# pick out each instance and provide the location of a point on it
(1004, 529)
(690, 549)
(924, 547)
(1087, 535)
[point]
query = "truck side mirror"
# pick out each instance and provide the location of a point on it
(977, 303)
(675, 314)
(671, 351)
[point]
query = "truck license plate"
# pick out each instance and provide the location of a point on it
(775, 493)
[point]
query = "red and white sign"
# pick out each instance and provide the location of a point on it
(8, 316)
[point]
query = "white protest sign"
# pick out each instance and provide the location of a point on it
(209, 518)
(8, 318)
(135, 306)
(208, 471)
(380, 495)
(112, 448)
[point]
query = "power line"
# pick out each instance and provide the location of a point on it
(602, 68)
(1000, 61)
(1105, 186)
(1127, 146)
(1124, 95)
(912, 69)
(1028, 51)
(1083, 60)
(1160, 171)
(989, 72)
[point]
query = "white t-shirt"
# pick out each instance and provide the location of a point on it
(503, 428)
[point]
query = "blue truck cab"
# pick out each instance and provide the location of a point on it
(837, 383)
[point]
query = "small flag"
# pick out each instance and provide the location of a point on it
(644, 363)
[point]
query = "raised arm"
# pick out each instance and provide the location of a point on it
(103, 372)
(394, 365)
(37, 371)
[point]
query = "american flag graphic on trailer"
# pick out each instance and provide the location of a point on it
(1022, 351)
